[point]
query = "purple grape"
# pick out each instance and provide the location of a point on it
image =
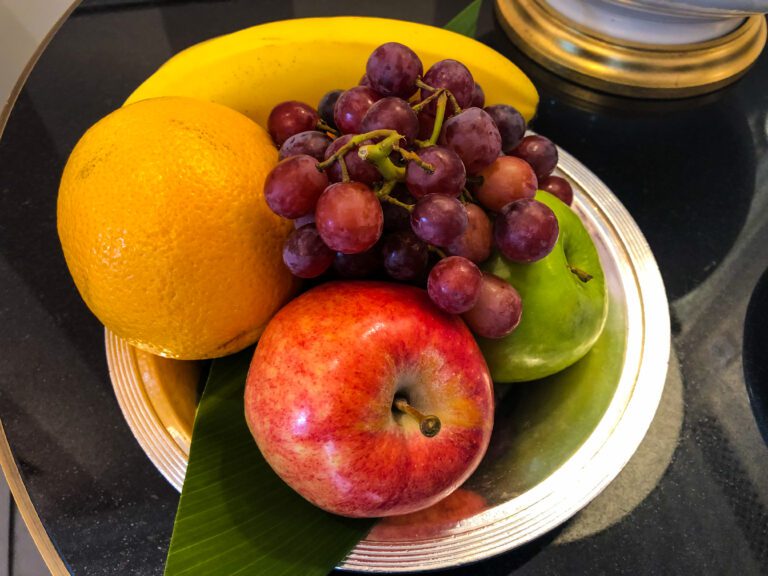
(478, 97)
(289, 118)
(362, 265)
(448, 178)
(396, 217)
(426, 124)
(438, 219)
(454, 284)
(325, 108)
(364, 81)
(453, 76)
(304, 220)
(393, 114)
(351, 106)
(477, 240)
(358, 169)
(294, 185)
(311, 143)
(559, 187)
(539, 152)
(393, 69)
(526, 230)
(349, 217)
(405, 256)
(498, 309)
(305, 254)
(474, 137)
(510, 123)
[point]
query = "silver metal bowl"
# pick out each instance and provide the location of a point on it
(557, 442)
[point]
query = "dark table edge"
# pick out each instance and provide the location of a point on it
(7, 462)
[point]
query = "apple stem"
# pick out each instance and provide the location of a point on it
(583, 276)
(428, 424)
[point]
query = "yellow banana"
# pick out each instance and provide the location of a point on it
(254, 69)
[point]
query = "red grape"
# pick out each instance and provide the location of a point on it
(327, 103)
(311, 142)
(405, 256)
(358, 169)
(289, 118)
(510, 123)
(448, 178)
(294, 185)
(349, 217)
(393, 114)
(351, 106)
(453, 76)
(560, 187)
(474, 137)
(539, 152)
(507, 179)
(477, 240)
(438, 219)
(454, 284)
(305, 254)
(498, 309)
(478, 97)
(526, 230)
(392, 70)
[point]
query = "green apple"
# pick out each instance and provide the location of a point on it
(564, 304)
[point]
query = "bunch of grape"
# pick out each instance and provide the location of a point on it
(410, 175)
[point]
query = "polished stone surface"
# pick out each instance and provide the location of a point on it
(693, 173)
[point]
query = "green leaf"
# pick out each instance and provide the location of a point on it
(236, 516)
(465, 22)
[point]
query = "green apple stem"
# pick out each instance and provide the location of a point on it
(428, 424)
(583, 276)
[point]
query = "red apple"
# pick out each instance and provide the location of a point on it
(368, 400)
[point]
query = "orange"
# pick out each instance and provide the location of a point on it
(164, 227)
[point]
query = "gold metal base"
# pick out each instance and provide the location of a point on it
(625, 68)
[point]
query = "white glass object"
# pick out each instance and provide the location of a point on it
(659, 21)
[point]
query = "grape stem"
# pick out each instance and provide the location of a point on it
(429, 424)
(437, 250)
(378, 155)
(467, 196)
(441, 103)
(456, 108)
(419, 105)
(344, 170)
(581, 274)
(353, 143)
(413, 157)
(396, 202)
(386, 188)
(322, 125)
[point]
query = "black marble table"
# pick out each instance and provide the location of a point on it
(693, 173)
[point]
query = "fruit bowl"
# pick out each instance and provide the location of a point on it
(556, 444)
